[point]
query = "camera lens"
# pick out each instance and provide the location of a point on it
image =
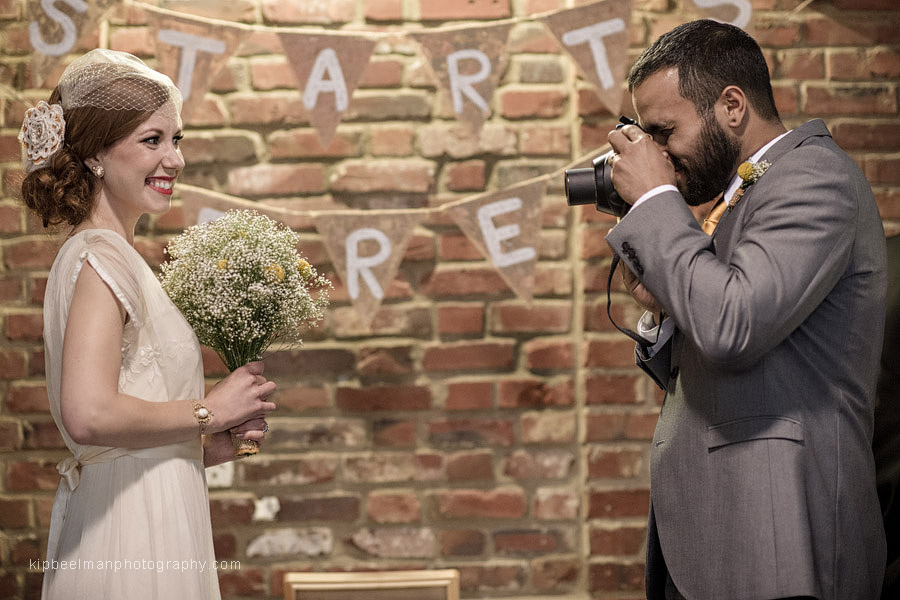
(593, 185)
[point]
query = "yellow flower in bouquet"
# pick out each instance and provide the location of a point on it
(228, 278)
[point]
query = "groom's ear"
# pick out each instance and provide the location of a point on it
(732, 106)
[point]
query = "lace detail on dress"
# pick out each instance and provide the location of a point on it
(148, 361)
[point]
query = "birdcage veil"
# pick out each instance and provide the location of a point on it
(104, 79)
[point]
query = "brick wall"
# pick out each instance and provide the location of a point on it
(468, 429)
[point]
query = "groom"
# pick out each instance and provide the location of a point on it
(767, 333)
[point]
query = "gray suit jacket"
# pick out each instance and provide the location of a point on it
(762, 477)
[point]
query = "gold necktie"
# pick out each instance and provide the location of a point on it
(712, 219)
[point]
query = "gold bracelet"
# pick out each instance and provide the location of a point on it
(203, 416)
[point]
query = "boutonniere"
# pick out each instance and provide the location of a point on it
(749, 173)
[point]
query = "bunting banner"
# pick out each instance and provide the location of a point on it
(328, 68)
(366, 249)
(505, 226)
(54, 33)
(596, 36)
(467, 64)
(191, 51)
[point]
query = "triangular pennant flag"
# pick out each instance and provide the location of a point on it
(366, 249)
(55, 33)
(737, 12)
(596, 36)
(328, 68)
(467, 64)
(200, 204)
(505, 226)
(192, 50)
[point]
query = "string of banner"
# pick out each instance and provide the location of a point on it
(503, 225)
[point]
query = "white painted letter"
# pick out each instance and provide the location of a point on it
(594, 35)
(357, 266)
(190, 44)
(326, 60)
(462, 84)
(745, 10)
(70, 34)
(494, 235)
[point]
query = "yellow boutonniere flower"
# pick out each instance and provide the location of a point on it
(751, 172)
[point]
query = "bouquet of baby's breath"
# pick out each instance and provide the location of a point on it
(241, 284)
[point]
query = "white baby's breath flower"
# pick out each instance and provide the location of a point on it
(228, 278)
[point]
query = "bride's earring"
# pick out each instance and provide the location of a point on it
(99, 171)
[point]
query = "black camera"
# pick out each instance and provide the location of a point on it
(592, 185)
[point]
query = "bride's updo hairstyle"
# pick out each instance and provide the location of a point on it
(101, 97)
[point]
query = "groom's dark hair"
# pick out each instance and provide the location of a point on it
(709, 57)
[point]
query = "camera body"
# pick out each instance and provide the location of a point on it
(593, 185)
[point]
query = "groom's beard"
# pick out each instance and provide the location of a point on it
(708, 172)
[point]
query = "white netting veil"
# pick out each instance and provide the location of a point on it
(113, 80)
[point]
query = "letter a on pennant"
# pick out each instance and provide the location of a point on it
(505, 226)
(467, 65)
(596, 36)
(328, 68)
(366, 249)
(192, 51)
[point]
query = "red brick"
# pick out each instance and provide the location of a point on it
(460, 319)
(319, 508)
(25, 550)
(479, 504)
(545, 317)
(616, 577)
(280, 12)
(548, 427)
(27, 475)
(304, 143)
(534, 393)
(382, 73)
(470, 466)
(471, 432)
(441, 10)
(864, 64)
(545, 354)
(224, 546)
(272, 73)
(465, 176)
(270, 180)
(42, 435)
(866, 135)
(469, 395)
(383, 175)
(231, 510)
(525, 542)
(850, 100)
(777, 33)
(300, 398)
(12, 366)
(394, 360)
(304, 470)
(10, 436)
(541, 140)
(485, 579)
(25, 398)
(30, 253)
(134, 40)
(801, 64)
(392, 141)
(554, 574)
(539, 464)
(215, 148)
(394, 433)
(614, 463)
(383, 398)
(383, 467)
(28, 327)
(15, 513)
(10, 289)
(610, 504)
(275, 108)
(461, 542)
(613, 426)
(858, 31)
(617, 540)
(469, 356)
(612, 389)
(393, 507)
(865, 4)
(392, 105)
(533, 104)
(246, 581)
(551, 504)
(384, 10)
(882, 170)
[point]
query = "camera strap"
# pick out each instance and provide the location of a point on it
(633, 335)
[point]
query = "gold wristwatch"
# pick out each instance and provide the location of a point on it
(203, 416)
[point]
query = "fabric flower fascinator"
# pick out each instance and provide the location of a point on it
(42, 134)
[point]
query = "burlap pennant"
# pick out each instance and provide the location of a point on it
(505, 226)
(54, 33)
(328, 68)
(192, 50)
(467, 64)
(596, 36)
(199, 205)
(366, 249)
(737, 12)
